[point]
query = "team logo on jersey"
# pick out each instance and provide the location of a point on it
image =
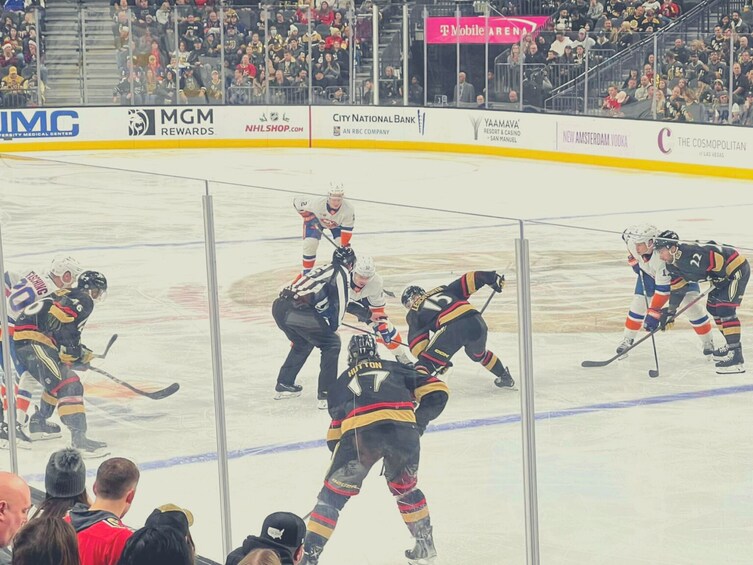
(141, 122)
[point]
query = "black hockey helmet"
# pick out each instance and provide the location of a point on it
(361, 346)
(666, 239)
(95, 282)
(344, 256)
(410, 293)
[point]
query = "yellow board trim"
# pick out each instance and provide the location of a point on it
(650, 165)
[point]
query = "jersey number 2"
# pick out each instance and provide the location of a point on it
(379, 378)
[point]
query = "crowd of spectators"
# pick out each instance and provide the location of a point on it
(20, 60)
(173, 53)
(691, 81)
(71, 528)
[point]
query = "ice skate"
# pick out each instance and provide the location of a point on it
(321, 401)
(41, 429)
(505, 380)
(424, 552)
(287, 391)
(23, 439)
(734, 363)
(89, 448)
(623, 347)
(722, 353)
(708, 348)
(311, 557)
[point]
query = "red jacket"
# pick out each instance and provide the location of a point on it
(101, 535)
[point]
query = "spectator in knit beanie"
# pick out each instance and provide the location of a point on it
(282, 532)
(64, 482)
(46, 541)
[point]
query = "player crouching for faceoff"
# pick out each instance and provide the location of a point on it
(330, 212)
(368, 303)
(441, 321)
(728, 271)
(654, 284)
(309, 310)
(373, 417)
(48, 342)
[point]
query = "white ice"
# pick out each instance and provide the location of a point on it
(631, 470)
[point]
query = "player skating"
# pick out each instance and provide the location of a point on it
(331, 212)
(22, 292)
(368, 304)
(373, 417)
(654, 285)
(728, 271)
(441, 321)
(309, 311)
(48, 342)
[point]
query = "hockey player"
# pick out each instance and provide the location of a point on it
(48, 342)
(21, 292)
(309, 311)
(441, 321)
(368, 303)
(373, 418)
(653, 285)
(333, 213)
(728, 272)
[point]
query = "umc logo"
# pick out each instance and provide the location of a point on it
(141, 122)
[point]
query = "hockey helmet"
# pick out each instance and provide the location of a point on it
(365, 267)
(344, 256)
(666, 239)
(361, 346)
(62, 265)
(410, 294)
(95, 283)
(642, 233)
(336, 190)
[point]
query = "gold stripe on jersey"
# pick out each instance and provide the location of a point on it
(334, 434)
(422, 391)
(734, 330)
(57, 312)
(678, 284)
(32, 335)
(319, 529)
(49, 399)
(456, 313)
(419, 347)
(734, 265)
(378, 416)
(470, 281)
(416, 516)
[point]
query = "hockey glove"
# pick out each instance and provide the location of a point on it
(383, 328)
(667, 319)
(361, 312)
(652, 320)
(499, 282)
(633, 262)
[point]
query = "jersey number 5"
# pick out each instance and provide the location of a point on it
(379, 378)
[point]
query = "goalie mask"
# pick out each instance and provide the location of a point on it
(362, 346)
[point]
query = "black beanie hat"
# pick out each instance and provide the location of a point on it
(65, 476)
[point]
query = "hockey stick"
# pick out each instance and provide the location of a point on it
(488, 300)
(107, 348)
(644, 338)
(653, 373)
(156, 395)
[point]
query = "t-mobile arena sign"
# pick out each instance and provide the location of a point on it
(473, 29)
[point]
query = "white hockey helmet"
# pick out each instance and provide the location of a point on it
(61, 265)
(642, 233)
(365, 267)
(336, 190)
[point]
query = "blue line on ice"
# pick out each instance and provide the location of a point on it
(439, 428)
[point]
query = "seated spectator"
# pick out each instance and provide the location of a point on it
(563, 21)
(670, 10)
(15, 89)
(331, 70)
(246, 68)
(388, 87)
(611, 103)
(595, 12)
(172, 517)
(99, 527)
(46, 541)
(15, 502)
(367, 98)
(214, 88)
(325, 15)
(282, 532)
(480, 102)
(9, 57)
(156, 546)
(130, 90)
(339, 96)
(65, 484)
(239, 92)
(584, 40)
(261, 557)
(560, 42)
(416, 92)
(167, 89)
(641, 93)
(191, 90)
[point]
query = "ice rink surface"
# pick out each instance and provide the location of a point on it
(631, 470)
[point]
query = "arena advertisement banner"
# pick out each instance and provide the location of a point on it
(372, 123)
(595, 136)
(284, 122)
(502, 30)
(728, 146)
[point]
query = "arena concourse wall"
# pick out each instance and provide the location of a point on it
(708, 150)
